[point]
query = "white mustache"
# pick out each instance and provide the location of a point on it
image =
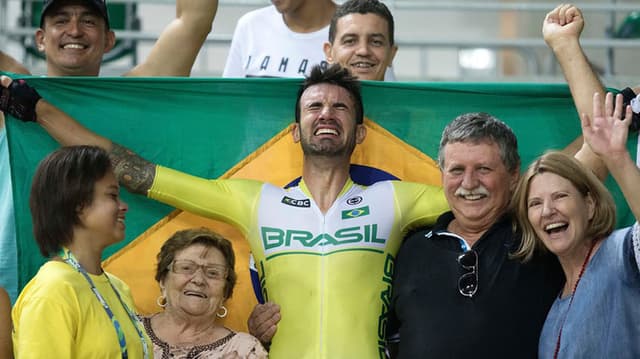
(480, 190)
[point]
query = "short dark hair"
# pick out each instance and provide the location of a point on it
(63, 184)
(334, 75)
(188, 237)
(362, 7)
(477, 127)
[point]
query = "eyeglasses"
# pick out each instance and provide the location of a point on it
(211, 271)
(468, 282)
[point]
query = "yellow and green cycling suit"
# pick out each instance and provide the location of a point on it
(329, 272)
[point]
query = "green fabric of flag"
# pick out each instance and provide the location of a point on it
(206, 126)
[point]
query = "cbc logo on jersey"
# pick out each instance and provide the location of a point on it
(303, 203)
(354, 200)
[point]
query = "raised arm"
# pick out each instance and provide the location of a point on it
(607, 135)
(9, 64)
(177, 47)
(561, 30)
(23, 102)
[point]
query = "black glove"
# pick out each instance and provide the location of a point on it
(630, 96)
(19, 100)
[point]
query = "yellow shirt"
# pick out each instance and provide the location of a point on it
(58, 316)
(329, 272)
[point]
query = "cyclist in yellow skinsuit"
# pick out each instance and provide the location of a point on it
(325, 248)
(328, 270)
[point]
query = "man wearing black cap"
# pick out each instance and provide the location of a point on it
(75, 34)
(97, 7)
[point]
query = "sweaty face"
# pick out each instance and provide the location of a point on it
(477, 184)
(74, 39)
(559, 213)
(195, 294)
(327, 124)
(363, 45)
(104, 216)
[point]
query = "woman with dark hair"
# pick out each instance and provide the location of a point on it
(72, 308)
(563, 207)
(196, 275)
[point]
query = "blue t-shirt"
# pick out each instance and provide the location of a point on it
(604, 318)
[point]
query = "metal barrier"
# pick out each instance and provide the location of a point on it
(527, 48)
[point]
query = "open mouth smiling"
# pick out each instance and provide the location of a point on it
(556, 227)
(363, 65)
(73, 46)
(193, 293)
(472, 197)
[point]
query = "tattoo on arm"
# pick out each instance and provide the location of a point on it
(132, 171)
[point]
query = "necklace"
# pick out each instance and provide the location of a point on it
(573, 293)
(164, 320)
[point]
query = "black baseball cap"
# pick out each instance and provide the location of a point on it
(99, 6)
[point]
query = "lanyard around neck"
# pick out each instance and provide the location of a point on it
(70, 259)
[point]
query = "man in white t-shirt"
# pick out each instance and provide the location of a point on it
(281, 40)
(287, 38)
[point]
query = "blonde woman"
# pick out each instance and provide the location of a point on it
(564, 208)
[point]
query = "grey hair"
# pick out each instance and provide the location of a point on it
(477, 127)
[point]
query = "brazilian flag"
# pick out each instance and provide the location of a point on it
(241, 128)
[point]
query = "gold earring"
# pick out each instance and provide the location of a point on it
(224, 312)
(161, 301)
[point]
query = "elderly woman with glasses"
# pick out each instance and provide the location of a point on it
(196, 275)
(563, 207)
